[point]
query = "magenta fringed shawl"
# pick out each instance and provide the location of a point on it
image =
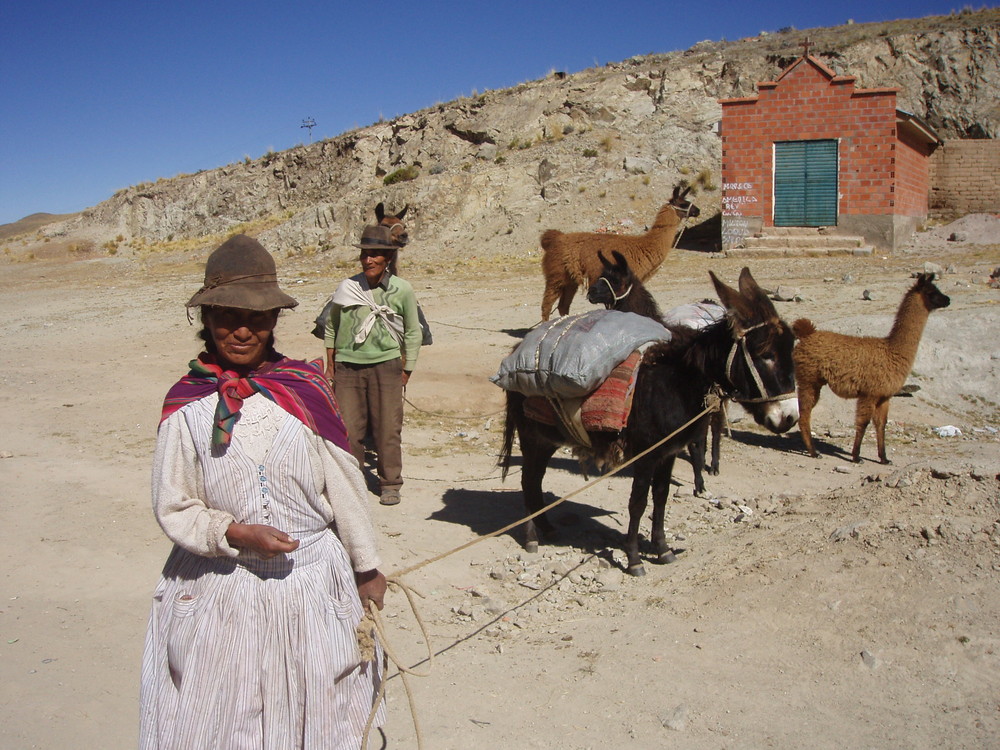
(298, 387)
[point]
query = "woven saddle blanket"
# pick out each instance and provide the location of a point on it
(606, 409)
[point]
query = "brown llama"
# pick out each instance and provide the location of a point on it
(867, 368)
(570, 260)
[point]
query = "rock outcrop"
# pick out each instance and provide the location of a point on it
(574, 151)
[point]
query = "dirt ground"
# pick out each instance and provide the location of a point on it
(817, 603)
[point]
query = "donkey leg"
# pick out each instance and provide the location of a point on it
(808, 396)
(879, 419)
(696, 450)
(716, 422)
(661, 489)
(535, 455)
(636, 507)
(862, 416)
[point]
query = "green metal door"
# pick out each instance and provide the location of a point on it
(805, 183)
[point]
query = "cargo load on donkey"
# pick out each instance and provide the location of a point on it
(578, 371)
(570, 356)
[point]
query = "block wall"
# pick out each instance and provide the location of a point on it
(965, 178)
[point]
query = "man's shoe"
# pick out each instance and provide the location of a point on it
(390, 497)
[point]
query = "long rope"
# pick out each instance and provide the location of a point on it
(708, 409)
(452, 416)
(373, 619)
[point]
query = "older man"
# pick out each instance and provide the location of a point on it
(372, 342)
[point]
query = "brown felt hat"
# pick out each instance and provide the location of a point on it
(377, 237)
(241, 273)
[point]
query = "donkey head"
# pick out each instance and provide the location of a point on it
(614, 283)
(760, 374)
(395, 223)
(682, 206)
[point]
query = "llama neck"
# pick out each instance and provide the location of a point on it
(666, 221)
(640, 302)
(909, 325)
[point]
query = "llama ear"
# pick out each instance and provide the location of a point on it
(402, 213)
(620, 260)
(676, 193)
(380, 212)
(604, 261)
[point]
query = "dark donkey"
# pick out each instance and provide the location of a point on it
(396, 228)
(620, 289)
(750, 351)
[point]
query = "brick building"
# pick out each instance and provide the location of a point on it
(811, 150)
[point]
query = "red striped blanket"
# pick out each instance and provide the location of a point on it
(604, 409)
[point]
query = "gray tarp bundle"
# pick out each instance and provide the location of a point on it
(571, 356)
(696, 315)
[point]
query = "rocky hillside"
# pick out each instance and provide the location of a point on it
(598, 148)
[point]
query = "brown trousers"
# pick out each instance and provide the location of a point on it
(371, 396)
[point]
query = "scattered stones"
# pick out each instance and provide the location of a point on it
(933, 268)
(786, 294)
(948, 430)
(676, 719)
(869, 659)
(869, 295)
(852, 531)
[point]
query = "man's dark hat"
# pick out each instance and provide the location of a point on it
(377, 237)
(241, 273)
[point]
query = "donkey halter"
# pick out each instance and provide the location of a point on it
(740, 344)
(615, 297)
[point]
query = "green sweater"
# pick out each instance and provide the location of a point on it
(380, 346)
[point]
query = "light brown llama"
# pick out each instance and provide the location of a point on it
(570, 260)
(867, 368)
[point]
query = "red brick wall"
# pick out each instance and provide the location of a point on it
(912, 177)
(878, 174)
(965, 178)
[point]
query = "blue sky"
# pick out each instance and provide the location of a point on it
(101, 95)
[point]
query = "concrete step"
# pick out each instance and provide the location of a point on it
(804, 241)
(801, 252)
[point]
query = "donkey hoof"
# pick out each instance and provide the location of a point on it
(636, 570)
(531, 548)
(666, 558)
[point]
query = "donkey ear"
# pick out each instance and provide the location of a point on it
(380, 212)
(754, 294)
(734, 302)
(402, 213)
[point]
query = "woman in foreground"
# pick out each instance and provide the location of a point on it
(251, 640)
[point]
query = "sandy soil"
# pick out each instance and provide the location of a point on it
(817, 603)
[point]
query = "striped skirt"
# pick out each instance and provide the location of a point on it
(257, 654)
